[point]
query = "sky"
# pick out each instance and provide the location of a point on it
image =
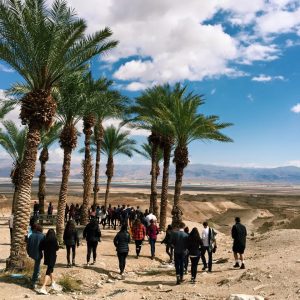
(242, 56)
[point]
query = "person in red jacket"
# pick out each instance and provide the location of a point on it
(138, 235)
(152, 232)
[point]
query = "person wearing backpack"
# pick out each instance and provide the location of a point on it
(71, 240)
(121, 241)
(209, 246)
(33, 251)
(92, 234)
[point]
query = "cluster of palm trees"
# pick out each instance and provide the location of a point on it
(49, 48)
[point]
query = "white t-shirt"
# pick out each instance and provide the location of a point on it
(149, 218)
(205, 234)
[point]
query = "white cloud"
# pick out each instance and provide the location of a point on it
(266, 78)
(5, 69)
(136, 86)
(296, 108)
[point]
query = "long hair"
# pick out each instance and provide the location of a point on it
(194, 236)
(51, 236)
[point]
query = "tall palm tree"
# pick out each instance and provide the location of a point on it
(142, 115)
(71, 107)
(112, 105)
(5, 107)
(91, 93)
(42, 44)
(47, 139)
(115, 142)
(13, 142)
(187, 126)
(146, 152)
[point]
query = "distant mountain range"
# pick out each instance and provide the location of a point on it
(194, 173)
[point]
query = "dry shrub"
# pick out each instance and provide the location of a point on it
(69, 284)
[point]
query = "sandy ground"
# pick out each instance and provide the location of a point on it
(272, 255)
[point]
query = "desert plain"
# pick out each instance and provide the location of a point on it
(270, 213)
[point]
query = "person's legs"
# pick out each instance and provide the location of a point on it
(73, 254)
(36, 272)
(89, 251)
(203, 251)
(194, 262)
(186, 263)
(95, 244)
(237, 264)
(68, 254)
(177, 267)
(209, 260)
(138, 245)
(152, 245)
(242, 260)
(181, 265)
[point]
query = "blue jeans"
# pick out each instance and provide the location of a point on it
(36, 271)
(179, 263)
(152, 246)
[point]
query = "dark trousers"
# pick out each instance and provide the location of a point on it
(170, 250)
(73, 247)
(194, 266)
(122, 261)
(203, 251)
(91, 246)
(152, 246)
(186, 261)
(138, 246)
(179, 263)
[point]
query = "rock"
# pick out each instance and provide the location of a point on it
(259, 287)
(298, 261)
(143, 297)
(160, 286)
(26, 296)
(222, 282)
(244, 297)
(269, 276)
(148, 288)
(109, 281)
(298, 292)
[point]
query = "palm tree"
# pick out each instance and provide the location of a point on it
(42, 44)
(112, 104)
(115, 142)
(13, 142)
(71, 106)
(5, 107)
(143, 114)
(146, 152)
(47, 139)
(92, 90)
(187, 126)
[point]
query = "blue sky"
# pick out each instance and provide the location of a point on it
(243, 57)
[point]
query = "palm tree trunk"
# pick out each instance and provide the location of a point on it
(14, 204)
(181, 161)
(87, 171)
(14, 175)
(22, 214)
(109, 173)
(165, 186)
(99, 132)
(153, 197)
(63, 194)
(44, 156)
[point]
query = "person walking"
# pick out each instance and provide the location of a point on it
(150, 217)
(138, 235)
(121, 242)
(194, 244)
(187, 257)
(167, 242)
(36, 209)
(71, 240)
(92, 234)
(209, 246)
(179, 241)
(50, 209)
(152, 232)
(239, 234)
(33, 251)
(49, 246)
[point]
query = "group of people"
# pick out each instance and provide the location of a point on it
(182, 246)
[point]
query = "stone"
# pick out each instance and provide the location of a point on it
(244, 297)
(160, 286)
(259, 287)
(26, 296)
(269, 276)
(109, 281)
(148, 288)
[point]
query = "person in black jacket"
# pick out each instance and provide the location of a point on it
(121, 242)
(239, 234)
(92, 234)
(194, 244)
(50, 246)
(71, 240)
(167, 242)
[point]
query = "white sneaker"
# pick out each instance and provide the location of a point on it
(43, 292)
